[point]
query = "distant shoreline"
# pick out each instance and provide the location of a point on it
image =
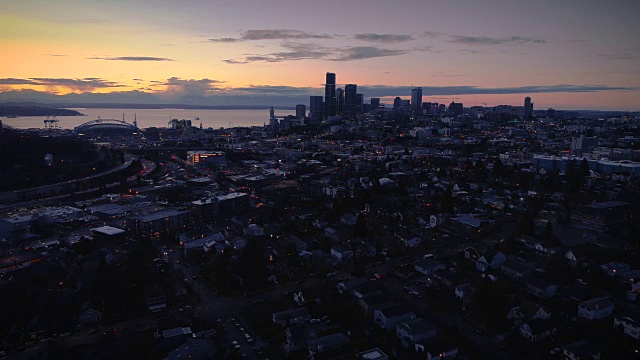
(13, 111)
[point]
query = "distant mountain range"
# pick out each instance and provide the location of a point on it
(142, 100)
(127, 106)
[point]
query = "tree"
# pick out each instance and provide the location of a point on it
(525, 224)
(446, 202)
(584, 169)
(547, 234)
(480, 168)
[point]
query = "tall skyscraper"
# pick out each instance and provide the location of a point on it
(456, 109)
(528, 108)
(301, 111)
(330, 95)
(375, 103)
(397, 102)
(416, 99)
(350, 91)
(316, 108)
(339, 101)
(359, 103)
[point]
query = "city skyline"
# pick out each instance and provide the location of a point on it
(574, 55)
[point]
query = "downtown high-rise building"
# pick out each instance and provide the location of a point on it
(339, 101)
(397, 103)
(416, 99)
(456, 109)
(375, 103)
(528, 108)
(359, 103)
(350, 99)
(330, 95)
(316, 108)
(301, 111)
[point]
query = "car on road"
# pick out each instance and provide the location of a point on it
(235, 344)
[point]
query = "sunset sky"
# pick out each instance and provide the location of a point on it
(565, 54)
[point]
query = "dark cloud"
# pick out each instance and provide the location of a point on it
(176, 81)
(624, 56)
(272, 34)
(85, 84)
(303, 51)
(383, 38)
(14, 81)
(56, 55)
(138, 79)
(132, 58)
(442, 74)
(225, 40)
(365, 52)
(432, 34)
(485, 40)
(235, 62)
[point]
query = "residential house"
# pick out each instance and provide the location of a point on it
(364, 249)
(536, 329)
(575, 257)
(90, 316)
(341, 252)
(155, 298)
(374, 301)
(464, 292)
(596, 308)
(320, 223)
(193, 349)
(388, 317)
(413, 242)
(539, 246)
(539, 287)
(439, 349)
(253, 230)
(516, 269)
(428, 266)
(238, 243)
(466, 224)
(373, 354)
(614, 268)
(527, 311)
(581, 350)
(471, 253)
(418, 329)
(333, 235)
(328, 342)
(490, 260)
(367, 288)
(629, 325)
(293, 316)
(446, 277)
(350, 284)
(634, 292)
(348, 219)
